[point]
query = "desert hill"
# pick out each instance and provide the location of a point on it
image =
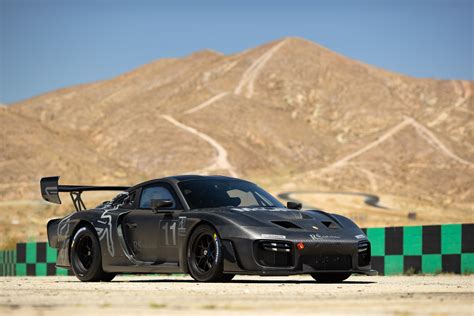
(290, 115)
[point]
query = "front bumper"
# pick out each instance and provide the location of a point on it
(369, 272)
(283, 257)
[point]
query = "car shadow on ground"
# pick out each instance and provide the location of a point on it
(242, 281)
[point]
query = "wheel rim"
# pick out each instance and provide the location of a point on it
(204, 253)
(84, 254)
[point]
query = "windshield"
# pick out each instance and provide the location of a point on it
(220, 193)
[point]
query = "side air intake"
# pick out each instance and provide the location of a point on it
(364, 253)
(274, 253)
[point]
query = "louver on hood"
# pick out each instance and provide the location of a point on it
(286, 224)
(330, 224)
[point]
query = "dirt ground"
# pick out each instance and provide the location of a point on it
(172, 295)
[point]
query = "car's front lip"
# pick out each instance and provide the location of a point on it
(370, 272)
(283, 272)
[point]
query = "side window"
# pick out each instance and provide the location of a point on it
(156, 192)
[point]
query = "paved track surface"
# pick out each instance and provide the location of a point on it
(300, 295)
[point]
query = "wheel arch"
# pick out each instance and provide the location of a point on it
(80, 224)
(184, 248)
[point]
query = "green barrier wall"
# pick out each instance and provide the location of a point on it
(422, 249)
(37, 258)
(7, 262)
(395, 250)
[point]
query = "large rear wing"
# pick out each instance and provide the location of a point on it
(50, 189)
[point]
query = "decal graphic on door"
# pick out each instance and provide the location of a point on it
(104, 230)
(168, 229)
(182, 225)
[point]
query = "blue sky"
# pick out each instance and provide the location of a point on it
(49, 44)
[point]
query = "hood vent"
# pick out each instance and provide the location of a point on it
(287, 225)
(330, 225)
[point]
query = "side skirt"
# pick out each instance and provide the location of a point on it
(157, 268)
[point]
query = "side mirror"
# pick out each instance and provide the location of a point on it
(157, 204)
(294, 205)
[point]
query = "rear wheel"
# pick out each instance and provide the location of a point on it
(205, 259)
(86, 259)
(330, 277)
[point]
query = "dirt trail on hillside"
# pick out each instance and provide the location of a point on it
(463, 90)
(369, 199)
(249, 76)
(221, 162)
(299, 295)
(429, 136)
(206, 103)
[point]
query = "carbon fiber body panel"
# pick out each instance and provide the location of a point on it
(264, 241)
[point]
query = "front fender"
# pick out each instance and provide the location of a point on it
(226, 228)
(348, 224)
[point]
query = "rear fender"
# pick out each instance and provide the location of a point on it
(62, 233)
(52, 229)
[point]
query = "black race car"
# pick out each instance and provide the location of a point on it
(211, 227)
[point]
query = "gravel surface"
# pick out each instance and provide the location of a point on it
(171, 295)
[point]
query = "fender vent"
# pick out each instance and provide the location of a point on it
(287, 225)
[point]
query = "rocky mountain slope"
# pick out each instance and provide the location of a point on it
(290, 114)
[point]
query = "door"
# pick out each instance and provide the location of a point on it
(153, 236)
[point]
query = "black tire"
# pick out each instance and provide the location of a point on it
(86, 259)
(330, 277)
(204, 254)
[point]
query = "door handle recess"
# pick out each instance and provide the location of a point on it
(131, 225)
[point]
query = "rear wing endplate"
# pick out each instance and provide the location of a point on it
(50, 189)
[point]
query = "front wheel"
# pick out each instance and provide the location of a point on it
(204, 254)
(86, 259)
(330, 277)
